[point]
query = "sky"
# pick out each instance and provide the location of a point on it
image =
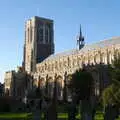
(100, 19)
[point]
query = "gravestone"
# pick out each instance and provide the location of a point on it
(71, 111)
(37, 110)
(51, 112)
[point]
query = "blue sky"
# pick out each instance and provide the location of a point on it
(100, 19)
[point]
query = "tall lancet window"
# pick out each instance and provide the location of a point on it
(101, 57)
(47, 33)
(105, 58)
(110, 57)
(59, 87)
(40, 33)
(97, 58)
(91, 59)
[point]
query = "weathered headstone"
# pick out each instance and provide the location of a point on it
(71, 111)
(51, 112)
(37, 111)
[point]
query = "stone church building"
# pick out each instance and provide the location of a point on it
(42, 64)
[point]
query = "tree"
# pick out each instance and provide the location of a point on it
(111, 100)
(81, 84)
(115, 68)
(81, 89)
(108, 95)
(111, 94)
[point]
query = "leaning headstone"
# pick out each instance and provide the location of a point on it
(51, 112)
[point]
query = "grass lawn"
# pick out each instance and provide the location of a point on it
(14, 115)
(28, 116)
(98, 116)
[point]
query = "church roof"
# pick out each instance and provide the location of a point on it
(100, 44)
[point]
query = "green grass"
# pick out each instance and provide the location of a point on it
(98, 116)
(27, 116)
(62, 115)
(14, 115)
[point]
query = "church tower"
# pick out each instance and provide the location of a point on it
(80, 40)
(39, 42)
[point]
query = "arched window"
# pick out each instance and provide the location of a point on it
(97, 58)
(68, 60)
(47, 33)
(59, 87)
(101, 57)
(50, 87)
(105, 58)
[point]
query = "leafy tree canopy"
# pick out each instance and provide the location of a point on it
(81, 83)
(111, 95)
